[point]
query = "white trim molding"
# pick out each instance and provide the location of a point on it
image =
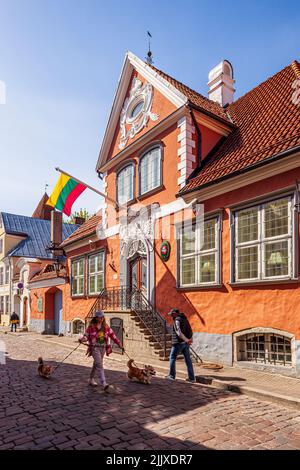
(47, 283)
(186, 139)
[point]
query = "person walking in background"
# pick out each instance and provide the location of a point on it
(182, 335)
(14, 320)
(98, 336)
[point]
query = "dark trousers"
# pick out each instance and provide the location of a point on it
(13, 327)
(185, 350)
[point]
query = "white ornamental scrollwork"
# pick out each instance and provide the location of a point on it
(138, 93)
(139, 230)
(137, 246)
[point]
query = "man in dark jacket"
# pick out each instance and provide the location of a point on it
(182, 335)
(14, 320)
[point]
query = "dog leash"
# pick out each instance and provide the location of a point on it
(56, 367)
(130, 358)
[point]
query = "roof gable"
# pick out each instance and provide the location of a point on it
(133, 63)
(174, 91)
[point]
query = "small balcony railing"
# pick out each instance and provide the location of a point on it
(122, 299)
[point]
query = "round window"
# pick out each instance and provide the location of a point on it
(137, 109)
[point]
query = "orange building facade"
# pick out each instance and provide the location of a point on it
(206, 217)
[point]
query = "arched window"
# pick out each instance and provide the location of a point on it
(150, 170)
(125, 184)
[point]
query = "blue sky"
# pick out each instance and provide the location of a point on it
(61, 60)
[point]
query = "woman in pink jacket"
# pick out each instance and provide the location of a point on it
(98, 336)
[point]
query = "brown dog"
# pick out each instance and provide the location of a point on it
(142, 375)
(43, 369)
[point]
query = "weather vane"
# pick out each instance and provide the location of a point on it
(149, 57)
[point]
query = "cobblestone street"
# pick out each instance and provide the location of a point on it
(65, 413)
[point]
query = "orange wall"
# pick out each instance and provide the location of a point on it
(221, 310)
(229, 309)
(47, 294)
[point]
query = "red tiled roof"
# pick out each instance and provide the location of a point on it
(268, 123)
(86, 229)
(196, 98)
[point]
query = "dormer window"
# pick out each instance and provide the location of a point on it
(150, 170)
(125, 184)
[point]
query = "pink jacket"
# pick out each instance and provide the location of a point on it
(91, 336)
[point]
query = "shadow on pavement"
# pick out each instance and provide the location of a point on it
(64, 412)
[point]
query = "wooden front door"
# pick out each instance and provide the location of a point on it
(138, 274)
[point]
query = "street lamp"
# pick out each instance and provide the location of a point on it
(59, 256)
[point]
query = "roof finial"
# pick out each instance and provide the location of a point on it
(46, 186)
(149, 57)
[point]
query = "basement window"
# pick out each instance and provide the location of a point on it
(266, 348)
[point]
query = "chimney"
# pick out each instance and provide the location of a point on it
(56, 229)
(79, 220)
(220, 83)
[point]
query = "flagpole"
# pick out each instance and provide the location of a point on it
(88, 186)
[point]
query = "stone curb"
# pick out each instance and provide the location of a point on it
(284, 400)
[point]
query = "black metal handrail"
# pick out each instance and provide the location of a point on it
(123, 298)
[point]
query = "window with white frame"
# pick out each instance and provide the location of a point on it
(263, 241)
(1, 245)
(125, 184)
(150, 170)
(1, 276)
(96, 273)
(7, 304)
(199, 254)
(78, 271)
(7, 274)
(1, 304)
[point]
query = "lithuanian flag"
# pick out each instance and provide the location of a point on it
(65, 194)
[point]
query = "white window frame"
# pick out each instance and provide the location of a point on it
(77, 277)
(7, 304)
(143, 157)
(2, 274)
(7, 274)
(96, 273)
(262, 241)
(120, 172)
(198, 253)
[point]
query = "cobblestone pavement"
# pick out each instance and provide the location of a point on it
(65, 413)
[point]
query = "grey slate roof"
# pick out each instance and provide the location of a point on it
(37, 233)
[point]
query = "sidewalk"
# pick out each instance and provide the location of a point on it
(263, 385)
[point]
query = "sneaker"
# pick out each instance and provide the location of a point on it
(190, 380)
(92, 382)
(106, 388)
(170, 377)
